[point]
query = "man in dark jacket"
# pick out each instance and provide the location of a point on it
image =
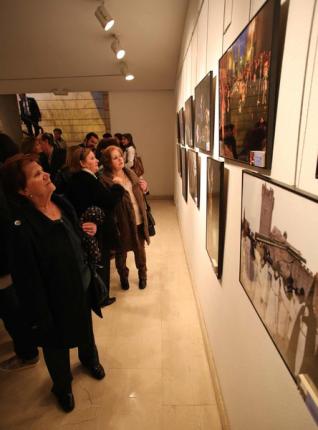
(30, 114)
(53, 158)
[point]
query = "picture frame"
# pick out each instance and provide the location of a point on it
(204, 115)
(279, 269)
(184, 172)
(215, 214)
(189, 122)
(178, 156)
(178, 128)
(181, 126)
(194, 169)
(247, 90)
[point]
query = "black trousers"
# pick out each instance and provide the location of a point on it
(30, 125)
(58, 361)
(104, 270)
(10, 313)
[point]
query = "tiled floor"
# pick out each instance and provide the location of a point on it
(150, 343)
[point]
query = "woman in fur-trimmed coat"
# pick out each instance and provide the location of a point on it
(129, 213)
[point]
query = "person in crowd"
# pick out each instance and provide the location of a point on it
(50, 272)
(107, 135)
(54, 158)
(130, 213)
(64, 174)
(118, 137)
(90, 141)
(84, 191)
(58, 139)
(103, 144)
(129, 149)
(31, 145)
(26, 353)
(30, 114)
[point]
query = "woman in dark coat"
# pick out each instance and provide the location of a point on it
(84, 191)
(50, 272)
(130, 215)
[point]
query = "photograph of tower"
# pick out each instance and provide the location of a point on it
(279, 268)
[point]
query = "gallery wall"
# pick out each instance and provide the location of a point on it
(257, 389)
(150, 117)
(10, 123)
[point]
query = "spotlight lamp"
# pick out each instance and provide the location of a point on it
(104, 17)
(124, 71)
(115, 45)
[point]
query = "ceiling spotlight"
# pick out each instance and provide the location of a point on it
(124, 71)
(104, 17)
(119, 52)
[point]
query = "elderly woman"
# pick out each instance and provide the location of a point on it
(50, 273)
(130, 214)
(85, 191)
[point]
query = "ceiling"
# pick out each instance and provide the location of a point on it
(57, 44)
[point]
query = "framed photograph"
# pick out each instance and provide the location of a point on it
(178, 129)
(247, 90)
(181, 126)
(204, 115)
(194, 175)
(178, 156)
(189, 122)
(279, 269)
(184, 173)
(215, 214)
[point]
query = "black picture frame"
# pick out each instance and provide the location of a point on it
(184, 172)
(279, 269)
(215, 214)
(194, 174)
(178, 156)
(178, 128)
(189, 122)
(204, 115)
(247, 90)
(181, 126)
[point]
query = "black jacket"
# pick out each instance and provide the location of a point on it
(57, 161)
(4, 235)
(47, 276)
(35, 113)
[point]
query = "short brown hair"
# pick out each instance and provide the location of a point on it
(80, 154)
(13, 176)
(106, 158)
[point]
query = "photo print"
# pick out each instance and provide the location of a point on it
(194, 163)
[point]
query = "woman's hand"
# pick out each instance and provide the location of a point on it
(89, 228)
(143, 185)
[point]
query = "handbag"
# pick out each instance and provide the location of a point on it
(138, 167)
(99, 292)
(150, 219)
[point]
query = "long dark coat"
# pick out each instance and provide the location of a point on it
(84, 190)
(124, 213)
(47, 277)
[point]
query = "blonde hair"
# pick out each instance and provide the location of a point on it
(106, 158)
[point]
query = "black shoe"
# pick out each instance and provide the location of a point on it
(97, 371)
(66, 400)
(142, 283)
(124, 284)
(108, 301)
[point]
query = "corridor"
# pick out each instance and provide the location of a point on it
(151, 346)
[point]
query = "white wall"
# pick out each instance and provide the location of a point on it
(150, 117)
(258, 391)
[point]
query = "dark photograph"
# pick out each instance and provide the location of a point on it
(215, 214)
(189, 122)
(247, 82)
(181, 126)
(204, 115)
(184, 173)
(194, 176)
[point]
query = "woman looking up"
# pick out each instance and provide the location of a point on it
(129, 150)
(130, 214)
(50, 273)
